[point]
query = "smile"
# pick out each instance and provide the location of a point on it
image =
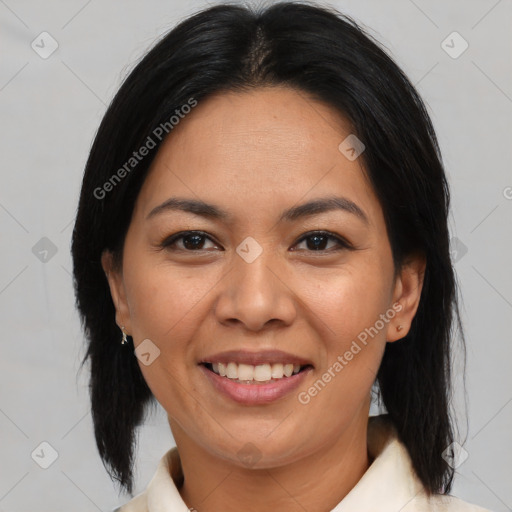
(255, 378)
(255, 374)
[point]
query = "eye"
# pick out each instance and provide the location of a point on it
(316, 241)
(191, 241)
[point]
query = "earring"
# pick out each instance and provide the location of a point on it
(124, 341)
(399, 328)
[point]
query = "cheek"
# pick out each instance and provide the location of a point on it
(349, 308)
(164, 300)
(163, 308)
(350, 299)
(166, 303)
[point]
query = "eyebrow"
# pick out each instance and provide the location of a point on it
(211, 211)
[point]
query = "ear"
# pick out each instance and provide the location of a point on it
(406, 293)
(117, 291)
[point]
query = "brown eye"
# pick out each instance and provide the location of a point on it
(190, 241)
(317, 241)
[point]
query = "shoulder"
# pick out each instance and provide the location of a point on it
(136, 504)
(442, 503)
(161, 492)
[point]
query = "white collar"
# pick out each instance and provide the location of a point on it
(389, 484)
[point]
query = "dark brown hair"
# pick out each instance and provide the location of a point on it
(330, 57)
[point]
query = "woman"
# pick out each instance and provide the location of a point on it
(261, 239)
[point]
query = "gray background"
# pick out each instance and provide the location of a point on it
(50, 109)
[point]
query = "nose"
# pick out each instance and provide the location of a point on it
(256, 295)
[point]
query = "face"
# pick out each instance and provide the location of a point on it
(258, 285)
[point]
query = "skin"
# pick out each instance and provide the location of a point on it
(255, 154)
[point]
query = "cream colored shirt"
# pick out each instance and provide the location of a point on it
(388, 485)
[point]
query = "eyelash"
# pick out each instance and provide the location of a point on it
(342, 244)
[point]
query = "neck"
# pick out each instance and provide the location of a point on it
(318, 481)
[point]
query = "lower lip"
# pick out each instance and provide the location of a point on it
(255, 394)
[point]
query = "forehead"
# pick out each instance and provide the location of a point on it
(257, 149)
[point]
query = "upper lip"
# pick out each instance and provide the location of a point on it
(255, 358)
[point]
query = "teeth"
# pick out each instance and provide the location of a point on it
(246, 372)
(277, 371)
(262, 372)
(232, 371)
(258, 373)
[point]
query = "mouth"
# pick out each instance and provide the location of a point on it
(265, 373)
(251, 378)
